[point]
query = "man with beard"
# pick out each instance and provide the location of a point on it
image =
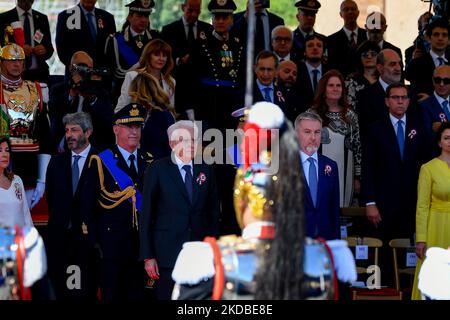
(310, 71)
(286, 79)
(321, 180)
(66, 244)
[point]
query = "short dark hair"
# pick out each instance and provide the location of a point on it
(444, 126)
(317, 36)
(264, 54)
(395, 85)
(438, 23)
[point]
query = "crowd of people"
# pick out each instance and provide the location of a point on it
(114, 151)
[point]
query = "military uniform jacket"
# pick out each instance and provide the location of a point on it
(109, 224)
(218, 68)
(123, 51)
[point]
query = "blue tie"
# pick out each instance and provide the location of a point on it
(400, 137)
(441, 61)
(267, 94)
(188, 180)
(315, 78)
(446, 111)
(312, 180)
(91, 24)
(75, 173)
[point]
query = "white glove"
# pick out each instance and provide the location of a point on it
(37, 194)
(43, 160)
(190, 114)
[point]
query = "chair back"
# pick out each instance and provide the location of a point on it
(396, 245)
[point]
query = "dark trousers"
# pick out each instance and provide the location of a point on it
(164, 285)
(122, 279)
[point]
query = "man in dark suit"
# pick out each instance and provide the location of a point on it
(66, 245)
(420, 70)
(180, 204)
(110, 202)
(282, 44)
(38, 43)
(312, 69)
(343, 43)
(123, 49)
(181, 35)
(84, 28)
(83, 92)
(265, 23)
(321, 195)
(395, 149)
(371, 102)
(265, 88)
(306, 16)
(435, 109)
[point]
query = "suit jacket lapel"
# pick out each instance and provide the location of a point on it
(195, 188)
(321, 182)
(392, 137)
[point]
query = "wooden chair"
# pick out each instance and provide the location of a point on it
(396, 245)
(373, 244)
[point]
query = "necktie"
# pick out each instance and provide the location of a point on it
(267, 94)
(259, 34)
(441, 61)
(75, 173)
(312, 180)
(133, 170)
(400, 137)
(188, 180)
(27, 34)
(353, 40)
(91, 24)
(281, 60)
(191, 37)
(446, 110)
(315, 76)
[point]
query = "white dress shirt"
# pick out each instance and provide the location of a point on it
(436, 57)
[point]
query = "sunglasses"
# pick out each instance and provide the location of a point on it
(439, 80)
(371, 53)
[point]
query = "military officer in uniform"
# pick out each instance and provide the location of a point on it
(110, 201)
(23, 117)
(123, 49)
(270, 210)
(217, 62)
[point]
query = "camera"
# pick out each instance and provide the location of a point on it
(86, 73)
(87, 84)
(265, 3)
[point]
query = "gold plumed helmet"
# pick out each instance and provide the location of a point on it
(12, 51)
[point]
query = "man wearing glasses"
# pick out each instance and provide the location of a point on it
(396, 147)
(282, 43)
(110, 201)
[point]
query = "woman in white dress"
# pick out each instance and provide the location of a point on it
(13, 204)
(340, 134)
(156, 62)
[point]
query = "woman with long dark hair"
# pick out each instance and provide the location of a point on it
(152, 85)
(340, 133)
(13, 204)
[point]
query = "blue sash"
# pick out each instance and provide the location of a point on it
(125, 50)
(119, 175)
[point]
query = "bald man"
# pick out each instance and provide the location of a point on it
(435, 109)
(286, 79)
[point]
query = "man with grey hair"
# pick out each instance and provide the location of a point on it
(282, 43)
(66, 245)
(322, 180)
(180, 204)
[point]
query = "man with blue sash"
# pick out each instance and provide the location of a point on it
(110, 201)
(123, 49)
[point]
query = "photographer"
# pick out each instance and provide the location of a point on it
(85, 91)
(421, 44)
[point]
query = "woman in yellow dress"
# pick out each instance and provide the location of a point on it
(433, 203)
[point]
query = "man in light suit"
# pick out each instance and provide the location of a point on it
(322, 180)
(180, 204)
(66, 244)
(38, 47)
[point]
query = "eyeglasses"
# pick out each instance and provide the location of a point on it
(285, 39)
(397, 98)
(368, 53)
(439, 80)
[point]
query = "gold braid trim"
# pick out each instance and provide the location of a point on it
(116, 197)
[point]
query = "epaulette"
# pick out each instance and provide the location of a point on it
(194, 264)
